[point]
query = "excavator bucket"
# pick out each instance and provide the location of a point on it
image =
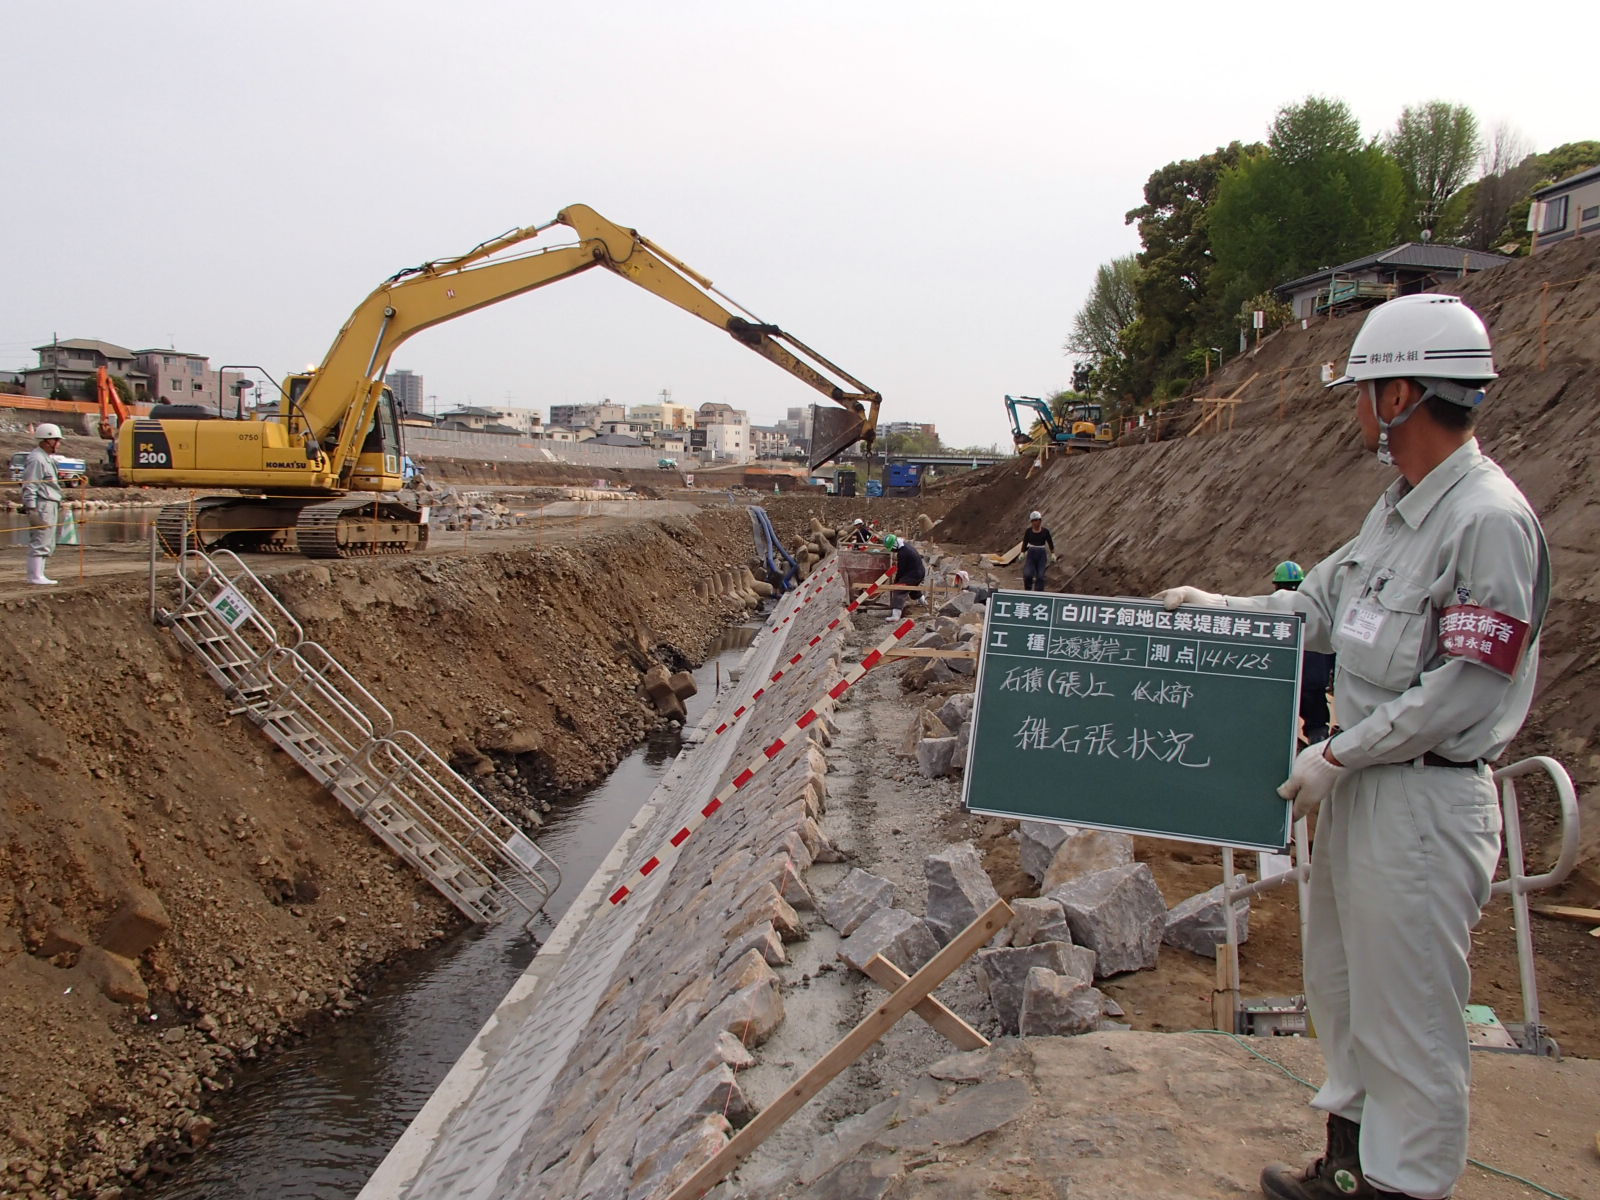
(833, 431)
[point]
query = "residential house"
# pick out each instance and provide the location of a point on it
(1398, 271)
(592, 415)
(1568, 208)
(726, 431)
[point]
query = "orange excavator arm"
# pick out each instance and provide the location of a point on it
(113, 412)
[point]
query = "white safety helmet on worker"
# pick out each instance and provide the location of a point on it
(1036, 515)
(1436, 340)
(47, 431)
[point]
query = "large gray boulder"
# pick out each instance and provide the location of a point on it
(1085, 851)
(1004, 973)
(959, 890)
(1037, 842)
(894, 933)
(956, 710)
(858, 896)
(1058, 1005)
(1119, 914)
(1197, 924)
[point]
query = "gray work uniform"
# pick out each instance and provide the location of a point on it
(1434, 612)
(41, 493)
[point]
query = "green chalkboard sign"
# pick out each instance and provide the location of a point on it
(1118, 714)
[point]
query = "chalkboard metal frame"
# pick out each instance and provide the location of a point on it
(1114, 713)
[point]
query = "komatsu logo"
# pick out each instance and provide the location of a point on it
(286, 466)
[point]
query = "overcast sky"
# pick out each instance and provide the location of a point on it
(920, 191)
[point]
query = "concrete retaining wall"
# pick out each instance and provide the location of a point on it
(608, 1070)
(500, 447)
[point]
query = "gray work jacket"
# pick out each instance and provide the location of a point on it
(1434, 610)
(40, 482)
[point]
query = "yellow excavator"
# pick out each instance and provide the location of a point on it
(336, 432)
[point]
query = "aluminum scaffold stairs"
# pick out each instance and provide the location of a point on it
(323, 718)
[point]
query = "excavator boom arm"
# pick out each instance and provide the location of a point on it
(344, 392)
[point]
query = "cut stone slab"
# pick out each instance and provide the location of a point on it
(858, 896)
(965, 1117)
(1085, 851)
(894, 933)
(957, 711)
(959, 890)
(1005, 973)
(1197, 924)
(1119, 914)
(1038, 920)
(116, 977)
(1037, 842)
(1058, 1006)
(936, 756)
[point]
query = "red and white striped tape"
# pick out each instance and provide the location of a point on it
(779, 674)
(851, 677)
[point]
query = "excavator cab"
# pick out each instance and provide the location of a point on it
(380, 464)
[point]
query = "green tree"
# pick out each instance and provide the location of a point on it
(1477, 214)
(919, 442)
(1436, 146)
(1109, 309)
(1177, 313)
(1316, 197)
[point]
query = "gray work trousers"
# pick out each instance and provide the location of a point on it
(42, 529)
(1400, 871)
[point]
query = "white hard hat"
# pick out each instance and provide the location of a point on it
(47, 431)
(1036, 515)
(1435, 339)
(858, 521)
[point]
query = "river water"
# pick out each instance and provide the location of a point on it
(315, 1121)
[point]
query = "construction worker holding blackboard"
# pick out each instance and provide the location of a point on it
(1434, 611)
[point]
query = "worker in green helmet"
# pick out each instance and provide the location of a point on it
(1316, 670)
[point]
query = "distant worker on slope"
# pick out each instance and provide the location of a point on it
(1434, 610)
(1316, 670)
(908, 569)
(41, 501)
(857, 534)
(1038, 551)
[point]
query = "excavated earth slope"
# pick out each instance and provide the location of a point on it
(130, 799)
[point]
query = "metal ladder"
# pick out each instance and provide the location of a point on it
(322, 717)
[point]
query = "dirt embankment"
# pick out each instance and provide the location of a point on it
(1290, 480)
(129, 795)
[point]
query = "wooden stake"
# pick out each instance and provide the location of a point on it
(851, 1047)
(884, 973)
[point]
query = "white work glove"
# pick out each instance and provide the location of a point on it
(1311, 779)
(1174, 597)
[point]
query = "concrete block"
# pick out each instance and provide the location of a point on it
(936, 757)
(958, 604)
(1057, 1005)
(1004, 973)
(139, 922)
(1041, 920)
(1037, 843)
(1085, 851)
(858, 896)
(683, 685)
(1119, 914)
(1197, 925)
(959, 890)
(894, 933)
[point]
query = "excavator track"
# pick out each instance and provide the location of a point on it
(177, 524)
(352, 528)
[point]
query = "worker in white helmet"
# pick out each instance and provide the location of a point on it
(41, 500)
(1038, 551)
(1434, 611)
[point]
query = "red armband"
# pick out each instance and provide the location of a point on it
(1482, 635)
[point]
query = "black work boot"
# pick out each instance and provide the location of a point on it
(1335, 1176)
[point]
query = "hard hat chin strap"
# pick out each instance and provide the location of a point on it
(1384, 454)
